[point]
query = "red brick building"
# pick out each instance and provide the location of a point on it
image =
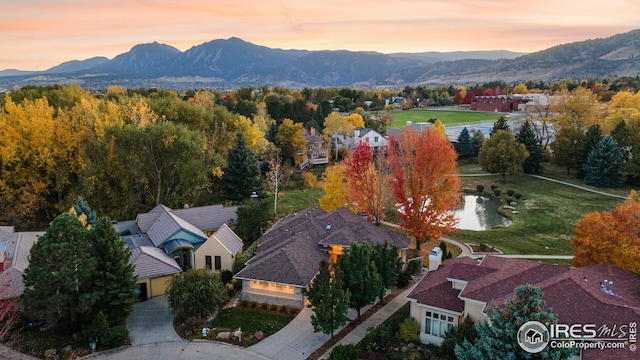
(500, 103)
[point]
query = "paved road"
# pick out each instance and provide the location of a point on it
(196, 350)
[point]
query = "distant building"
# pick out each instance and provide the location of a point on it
(500, 103)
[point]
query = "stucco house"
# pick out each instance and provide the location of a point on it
(375, 140)
(164, 242)
(289, 254)
(465, 287)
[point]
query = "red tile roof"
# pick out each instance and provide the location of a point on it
(575, 295)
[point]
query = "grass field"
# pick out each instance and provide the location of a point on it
(548, 215)
(448, 117)
(251, 320)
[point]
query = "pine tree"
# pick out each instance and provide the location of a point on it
(272, 132)
(633, 166)
(328, 299)
(477, 139)
(241, 177)
(604, 164)
(624, 138)
(58, 280)
(113, 276)
(388, 264)
(592, 138)
(466, 330)
(500, 124)
(526, 136)
(497, 338)
(361, 276)
(464, 146)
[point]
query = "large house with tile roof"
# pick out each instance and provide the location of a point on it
(289, 254)
(465, 287)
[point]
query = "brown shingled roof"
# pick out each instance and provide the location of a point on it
(290, 252)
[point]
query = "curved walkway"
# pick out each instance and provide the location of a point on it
(555, 181)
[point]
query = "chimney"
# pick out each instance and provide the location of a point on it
(435, 258)
(312, 131)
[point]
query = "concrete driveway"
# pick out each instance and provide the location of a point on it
(294, 341)
(152, 322)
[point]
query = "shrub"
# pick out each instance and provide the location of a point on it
(511, 192)
(244, 303)
(230, 290)
(409, 330)
(115, 337)
(310, 180)
(283, 309)
(456, 336)
(517, 196)
(254, 304)
(497, 191)
(403, 279)
(344, 352)
(494, 186)
(293, 311)
(226, 276)
(264, 306)
(480, 188)
(485, 247)
(99, 325)
(258, 335)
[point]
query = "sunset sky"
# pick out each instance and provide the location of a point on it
(39, 34)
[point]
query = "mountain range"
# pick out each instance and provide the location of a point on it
(233, 62)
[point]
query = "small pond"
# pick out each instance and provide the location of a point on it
(479, 213)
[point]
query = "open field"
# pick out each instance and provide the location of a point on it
(448, 117)
(548, 211)
(548, 215)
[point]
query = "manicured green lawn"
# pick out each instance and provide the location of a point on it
(548, 215)
(448, 117)
(251, 320)
(290, 201)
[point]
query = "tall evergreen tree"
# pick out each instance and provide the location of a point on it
(328, 299)
(604, 164)
(58, 281)
(319, 117)
(272, 132)
(477, 139)
(464, 146)
(497, 338)
(388, 264)
(113, 275)
(361, 276)
(500, 124)
(242, 175)
(526, 136)
(624, 138)
(592, 138)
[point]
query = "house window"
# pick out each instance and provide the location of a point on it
(207, 261)
(218, 261)
(437, 324)
(375, 139)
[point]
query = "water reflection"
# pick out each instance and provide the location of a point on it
(479, 213)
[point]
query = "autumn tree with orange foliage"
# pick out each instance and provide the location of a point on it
(367, 183)
(425, 183)
(610, 237)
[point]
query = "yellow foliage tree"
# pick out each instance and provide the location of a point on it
(336, 124)
(250, 130)
(27, 167)
(438, 127)
(624, 106)
(355, 120)
(520, 89)
(334, 186)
